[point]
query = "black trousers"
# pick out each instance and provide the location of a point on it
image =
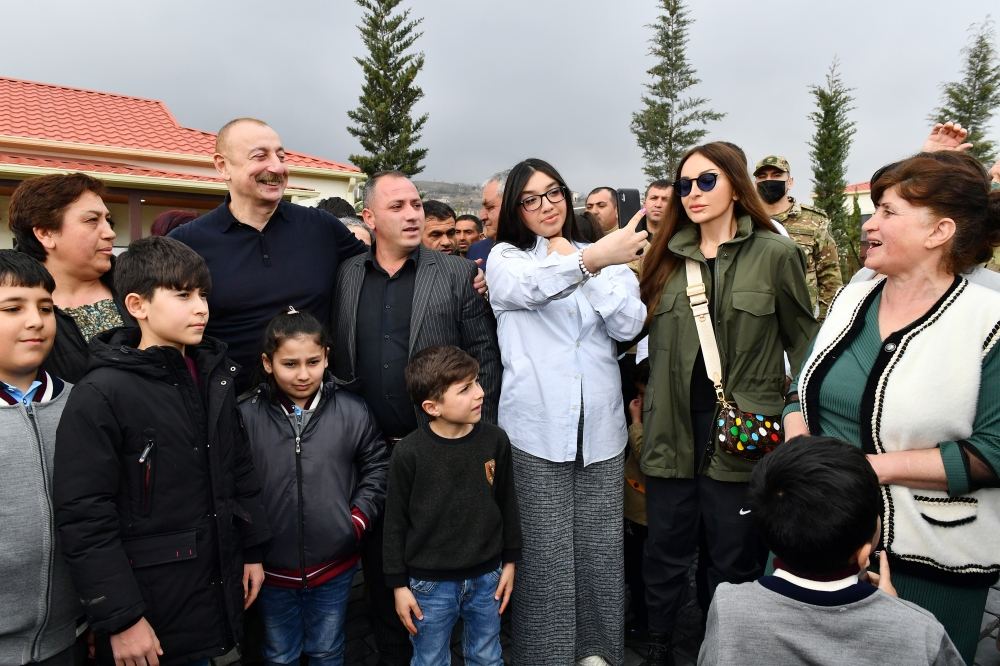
(635, 544)
(676, 510)
(391, 637)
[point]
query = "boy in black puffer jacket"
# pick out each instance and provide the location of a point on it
(157, 501)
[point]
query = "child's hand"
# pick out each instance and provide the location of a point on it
(405, 605)
(136, 645)
(635, 410)
(881, 579)
(505, 586)
(253, 578)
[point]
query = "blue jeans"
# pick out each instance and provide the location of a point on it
(309, 620)
(442, 603)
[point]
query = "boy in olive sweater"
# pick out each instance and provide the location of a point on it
(452, 531)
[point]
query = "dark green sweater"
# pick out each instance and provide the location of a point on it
(451, 511)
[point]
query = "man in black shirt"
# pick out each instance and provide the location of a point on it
(264, 253)
(392, 302)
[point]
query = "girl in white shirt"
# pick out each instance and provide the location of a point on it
(561, 305)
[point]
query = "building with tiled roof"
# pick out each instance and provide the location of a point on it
(863, 193)
(136, 146)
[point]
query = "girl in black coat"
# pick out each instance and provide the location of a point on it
(322, 463)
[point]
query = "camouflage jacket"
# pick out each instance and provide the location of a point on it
(810, 229)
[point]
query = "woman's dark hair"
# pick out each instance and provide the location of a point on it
(41, 202)
(950, 184)
(289, 324)
(589, 228)
(660, 262)
(169, 220)
(511, 228)
(815, 501)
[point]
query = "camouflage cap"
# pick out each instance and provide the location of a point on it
(776, 161)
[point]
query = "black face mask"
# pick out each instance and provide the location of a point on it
(771, 191)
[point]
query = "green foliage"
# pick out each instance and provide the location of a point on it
(974, 98)
(828, 152)
(669, 123)
(851, 262)
(384, 122)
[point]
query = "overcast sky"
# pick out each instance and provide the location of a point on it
(512, 79)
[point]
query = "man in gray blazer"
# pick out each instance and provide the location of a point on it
(390, 303)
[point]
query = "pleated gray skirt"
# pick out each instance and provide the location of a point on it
(569, 591)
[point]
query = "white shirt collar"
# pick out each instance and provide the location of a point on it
(817, 585)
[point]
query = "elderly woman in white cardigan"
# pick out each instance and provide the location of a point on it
(907, 366)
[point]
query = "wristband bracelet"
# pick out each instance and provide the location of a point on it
(583, 267)
(791, 398)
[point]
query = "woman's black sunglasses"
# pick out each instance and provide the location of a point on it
(706, 183)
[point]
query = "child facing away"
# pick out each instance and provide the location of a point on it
(452, 531)
(322, 464)
(41, 609)
(157, 501)
(816, 502)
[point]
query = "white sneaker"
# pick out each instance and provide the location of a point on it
(593, 660)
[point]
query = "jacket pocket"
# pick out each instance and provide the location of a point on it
(754, 315)
(947, 511)
(146, 462)
(757, 303)
(157, 549)
(663, 322)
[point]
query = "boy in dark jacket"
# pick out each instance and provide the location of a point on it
(156, 497)
(40, 607)
(452, 530)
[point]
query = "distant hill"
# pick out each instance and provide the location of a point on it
(464, 198)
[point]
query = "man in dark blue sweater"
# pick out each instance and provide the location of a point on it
(264, 253)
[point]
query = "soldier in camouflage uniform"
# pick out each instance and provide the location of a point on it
(807, 226)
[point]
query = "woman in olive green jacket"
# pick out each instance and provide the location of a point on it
(760, 309)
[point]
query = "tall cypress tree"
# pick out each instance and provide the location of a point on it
(974, 98)
(669, 122)
(384, 122)
(829, 148)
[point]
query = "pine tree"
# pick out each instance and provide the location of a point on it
(851, 262)
(384, 124)
(669, 124)
(829, 148)
(972, 100)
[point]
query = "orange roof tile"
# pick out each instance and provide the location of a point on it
(99, 167)
(858, 187)
(75, 115)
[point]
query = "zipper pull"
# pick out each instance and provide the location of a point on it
(298, 445)
(146, 451)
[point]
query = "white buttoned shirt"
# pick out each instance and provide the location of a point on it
(557, 333)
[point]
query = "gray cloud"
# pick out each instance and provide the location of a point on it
(504, 81)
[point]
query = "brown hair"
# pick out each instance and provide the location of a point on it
(41, 202)
(949, 184)
(433, 370)
(660, 262)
